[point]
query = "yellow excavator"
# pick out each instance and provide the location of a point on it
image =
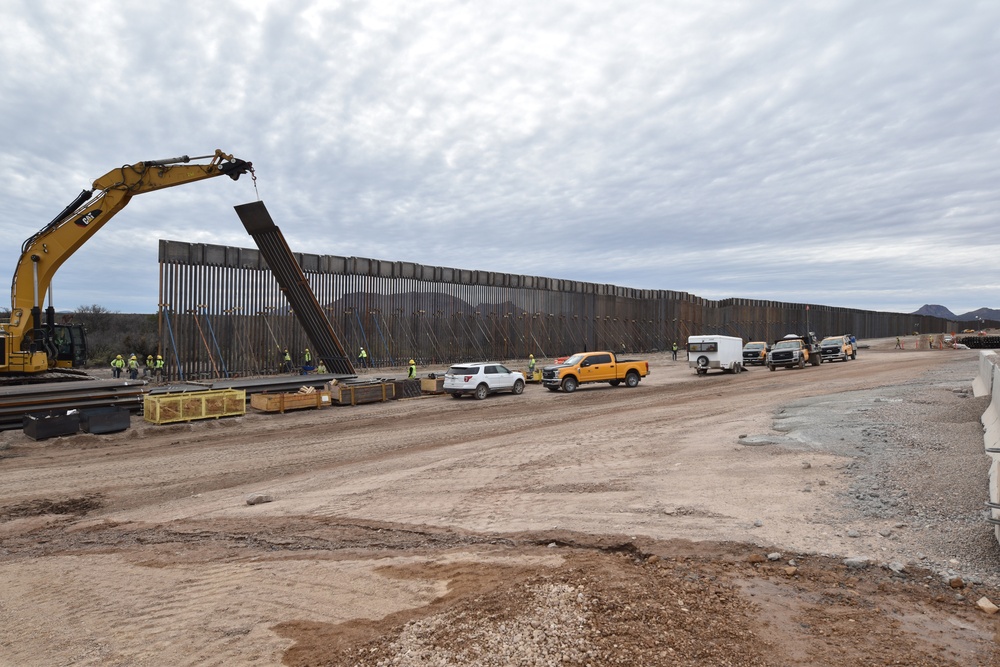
(31, 345)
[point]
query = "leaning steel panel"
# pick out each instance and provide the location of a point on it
(297, 291)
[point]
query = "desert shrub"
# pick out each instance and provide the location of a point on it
(112, 333)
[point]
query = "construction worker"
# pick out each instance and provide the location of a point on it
(531, 366)
(286, 361)
(411, 373)
(363, 358)
(898, 346)
(321, 367)
(117, 364)
(307, 359)
(133, 368)
(673, 351)
(158, 368)
(148, 368)
(62, 341)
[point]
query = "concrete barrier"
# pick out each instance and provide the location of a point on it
(994, 504)
(991, 433)
(991, 417)
(982, 384)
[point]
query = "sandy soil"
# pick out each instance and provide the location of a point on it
(670, 524)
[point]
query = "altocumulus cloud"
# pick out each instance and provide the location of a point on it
(842, 153)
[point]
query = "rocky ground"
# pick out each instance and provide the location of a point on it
(823, 516)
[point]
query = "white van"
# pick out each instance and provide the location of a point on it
(723, 352)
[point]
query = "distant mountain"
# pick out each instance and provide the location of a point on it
(932, 310)
(981, 314)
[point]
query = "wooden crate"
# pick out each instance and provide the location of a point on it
(193, 405)
(289, 401)
(432, 386)
(356, 394)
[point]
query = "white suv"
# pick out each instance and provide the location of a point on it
(482, 379)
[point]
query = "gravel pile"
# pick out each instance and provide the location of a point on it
(600, 610)
(556, 629)
(919, 475)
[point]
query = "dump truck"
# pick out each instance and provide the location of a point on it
(585, 367)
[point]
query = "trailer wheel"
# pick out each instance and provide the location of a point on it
(569, 385)
(631, 379)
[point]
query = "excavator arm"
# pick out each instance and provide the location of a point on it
(26, 344)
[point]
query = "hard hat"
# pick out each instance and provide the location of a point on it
(531, 356)
(412, 361)
(118, 357)
(158, 357)
(307, 349)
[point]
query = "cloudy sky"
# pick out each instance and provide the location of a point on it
(837, 152)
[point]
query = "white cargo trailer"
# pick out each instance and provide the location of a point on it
(712, 351)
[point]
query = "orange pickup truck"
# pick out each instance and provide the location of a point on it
(586, 367)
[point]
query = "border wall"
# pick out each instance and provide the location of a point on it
(222, 314)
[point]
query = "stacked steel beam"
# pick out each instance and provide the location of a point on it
(16, 402)
(288, 273)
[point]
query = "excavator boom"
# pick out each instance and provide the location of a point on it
(27, 344)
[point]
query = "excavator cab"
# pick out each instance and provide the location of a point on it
(64, 344)
(70, 341)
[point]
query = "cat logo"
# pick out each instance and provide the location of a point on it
(85, 220)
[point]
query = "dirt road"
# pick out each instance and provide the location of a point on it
(689, 521)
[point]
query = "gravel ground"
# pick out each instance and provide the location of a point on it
(917, 477)
(919, 474)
